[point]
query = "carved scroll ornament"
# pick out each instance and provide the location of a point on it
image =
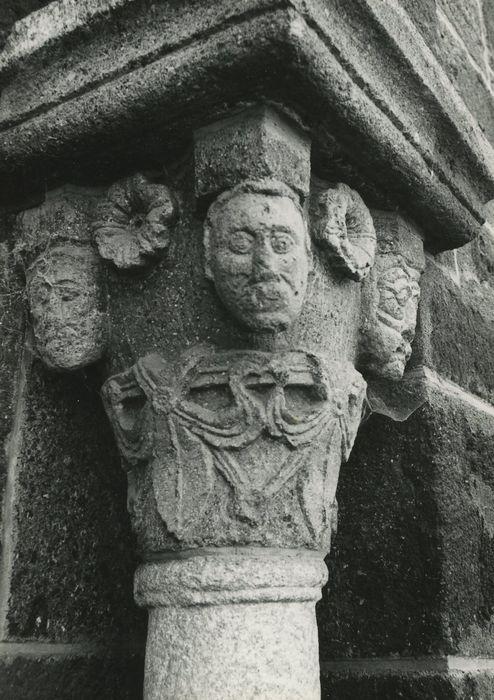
(237, 440)
(133, 224)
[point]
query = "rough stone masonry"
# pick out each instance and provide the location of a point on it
(246, 366)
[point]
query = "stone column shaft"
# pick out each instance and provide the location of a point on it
(232, 623)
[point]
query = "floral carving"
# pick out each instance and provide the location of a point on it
(271, 429)
(342, 226)
(134, 223)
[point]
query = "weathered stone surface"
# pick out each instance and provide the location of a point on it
(456, 328)
(209, 611)
(342, 227)
(294, 56)
(238, 442)
(411, 568)
(409, 687)
(467, 18)
(66, 304)
(390, 298)
(71, 677)
(63, 279)
(175, 306)
(257, 253)
(229, 448)
(465, 61)
(63, 216)
(11, 333)
(383, 570)
(253, 145)
(13, 11)
(488, 8)
(242, 444)
(483, 254)
(134, 222)
(423, 13)
(279, 638)
(72, 559)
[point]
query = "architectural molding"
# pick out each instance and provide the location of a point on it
(154, 91)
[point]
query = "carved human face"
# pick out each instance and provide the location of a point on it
(65, 303)
(258, 259)
(390, 336)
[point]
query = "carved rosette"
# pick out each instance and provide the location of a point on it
(134, 223)
(342, 227)
(235, 447)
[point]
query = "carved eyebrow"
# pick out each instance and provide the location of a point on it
(264, 227)
(283, 229)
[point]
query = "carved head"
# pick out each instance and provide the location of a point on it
(257, 253)
(66, 306)
(391, 295)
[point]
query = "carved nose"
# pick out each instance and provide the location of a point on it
(264, 264)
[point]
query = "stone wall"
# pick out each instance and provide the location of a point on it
(408, 610)
(68, 624)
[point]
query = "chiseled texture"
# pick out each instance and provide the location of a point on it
(235, 623)
(390, 298)
(64, 291)
(262, 651)
(67, 308)
(262, 144)
(411, 571)
(231, 575)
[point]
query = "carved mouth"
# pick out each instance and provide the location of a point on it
(266, 292)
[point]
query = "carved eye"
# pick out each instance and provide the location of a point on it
(241, 242)
(69, 293)
(391, 304)
(281, 242)
(403, 295)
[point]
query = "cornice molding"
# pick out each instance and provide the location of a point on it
(81, 79)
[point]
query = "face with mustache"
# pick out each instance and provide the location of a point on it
(256, 246)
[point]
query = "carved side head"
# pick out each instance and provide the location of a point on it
(63, 279)
(257, 253)
(390, 298)
(65, 302)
